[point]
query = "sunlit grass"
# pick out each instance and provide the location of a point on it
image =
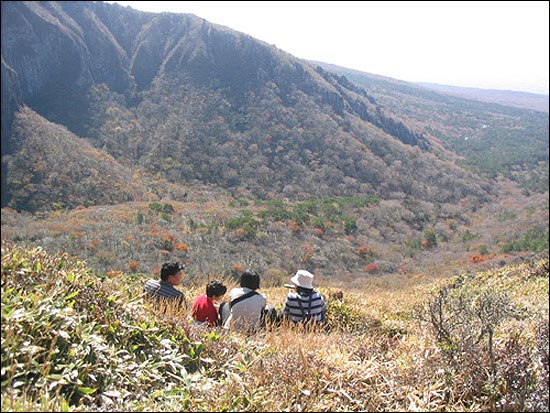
(76, 341)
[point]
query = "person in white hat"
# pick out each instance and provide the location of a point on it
(305, 304)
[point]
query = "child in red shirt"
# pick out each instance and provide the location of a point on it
(204, 310)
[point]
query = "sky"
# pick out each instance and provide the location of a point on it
(481, 44)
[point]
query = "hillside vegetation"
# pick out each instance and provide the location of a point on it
(172, 100)
(176, 137)
(341, 239)
(132, 138)
(73, 340)
(491, 139)
(524, 100)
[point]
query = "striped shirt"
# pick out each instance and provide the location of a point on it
(300, 306)
(163, 290)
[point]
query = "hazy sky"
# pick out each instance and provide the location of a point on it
(491, 45)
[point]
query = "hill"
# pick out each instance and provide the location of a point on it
(74, 340)
(131, 137)
(175, 98)
(484, 135)
(521, 100)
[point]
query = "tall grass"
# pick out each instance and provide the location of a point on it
(77, 341)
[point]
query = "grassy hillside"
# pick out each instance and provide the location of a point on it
(73, 340)
(341, 239)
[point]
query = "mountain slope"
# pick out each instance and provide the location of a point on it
(492, 139)
(164, 136)
(521, 100)
(190, 101)
(49, 157)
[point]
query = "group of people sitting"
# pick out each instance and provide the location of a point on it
(247, 309)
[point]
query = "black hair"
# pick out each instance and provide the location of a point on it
(215, 288)
(304, 291)
(250, 279)
(170, 268)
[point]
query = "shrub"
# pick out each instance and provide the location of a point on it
(371, 268)
(462, 315)
(133, 266)
(68, 334)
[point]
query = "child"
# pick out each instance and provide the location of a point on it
(204, 309)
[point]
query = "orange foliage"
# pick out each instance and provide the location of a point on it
(94, 244)
(113, 273)
(133, 266)
(404, 270)
(363, 249)
(475, 258)
(308, 252)
(237, 268)
(293, 225)
(371, 268)
(318, 232)
(240, 232)
(181, 246)
(168, 238)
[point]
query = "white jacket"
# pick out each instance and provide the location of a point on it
(245, 315)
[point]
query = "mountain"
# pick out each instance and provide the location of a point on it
(523, 100)
(164, 130)
(491, 139)
(516, 99)
(188, 100)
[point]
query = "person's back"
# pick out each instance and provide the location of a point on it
(246, 304)
(163, 291)
(204, 309)
(305, 304)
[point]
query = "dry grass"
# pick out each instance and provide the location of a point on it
(374, 355)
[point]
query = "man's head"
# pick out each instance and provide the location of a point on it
(250, 279)
(171, 272)
(215, 289)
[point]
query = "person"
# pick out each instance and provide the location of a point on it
(305, 304)
(246, 305)
(163, 291)
(204, 309)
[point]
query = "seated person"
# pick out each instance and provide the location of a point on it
(246, 305)
(163, 290)
(204, 309)
(305, 304)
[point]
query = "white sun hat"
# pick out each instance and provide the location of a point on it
(303, 279)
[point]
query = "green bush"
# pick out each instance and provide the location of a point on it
(534, 240)
(69, 334)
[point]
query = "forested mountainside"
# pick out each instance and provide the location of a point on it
(128, 137)
(132, 138)
(175, 97)
(492, 138)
